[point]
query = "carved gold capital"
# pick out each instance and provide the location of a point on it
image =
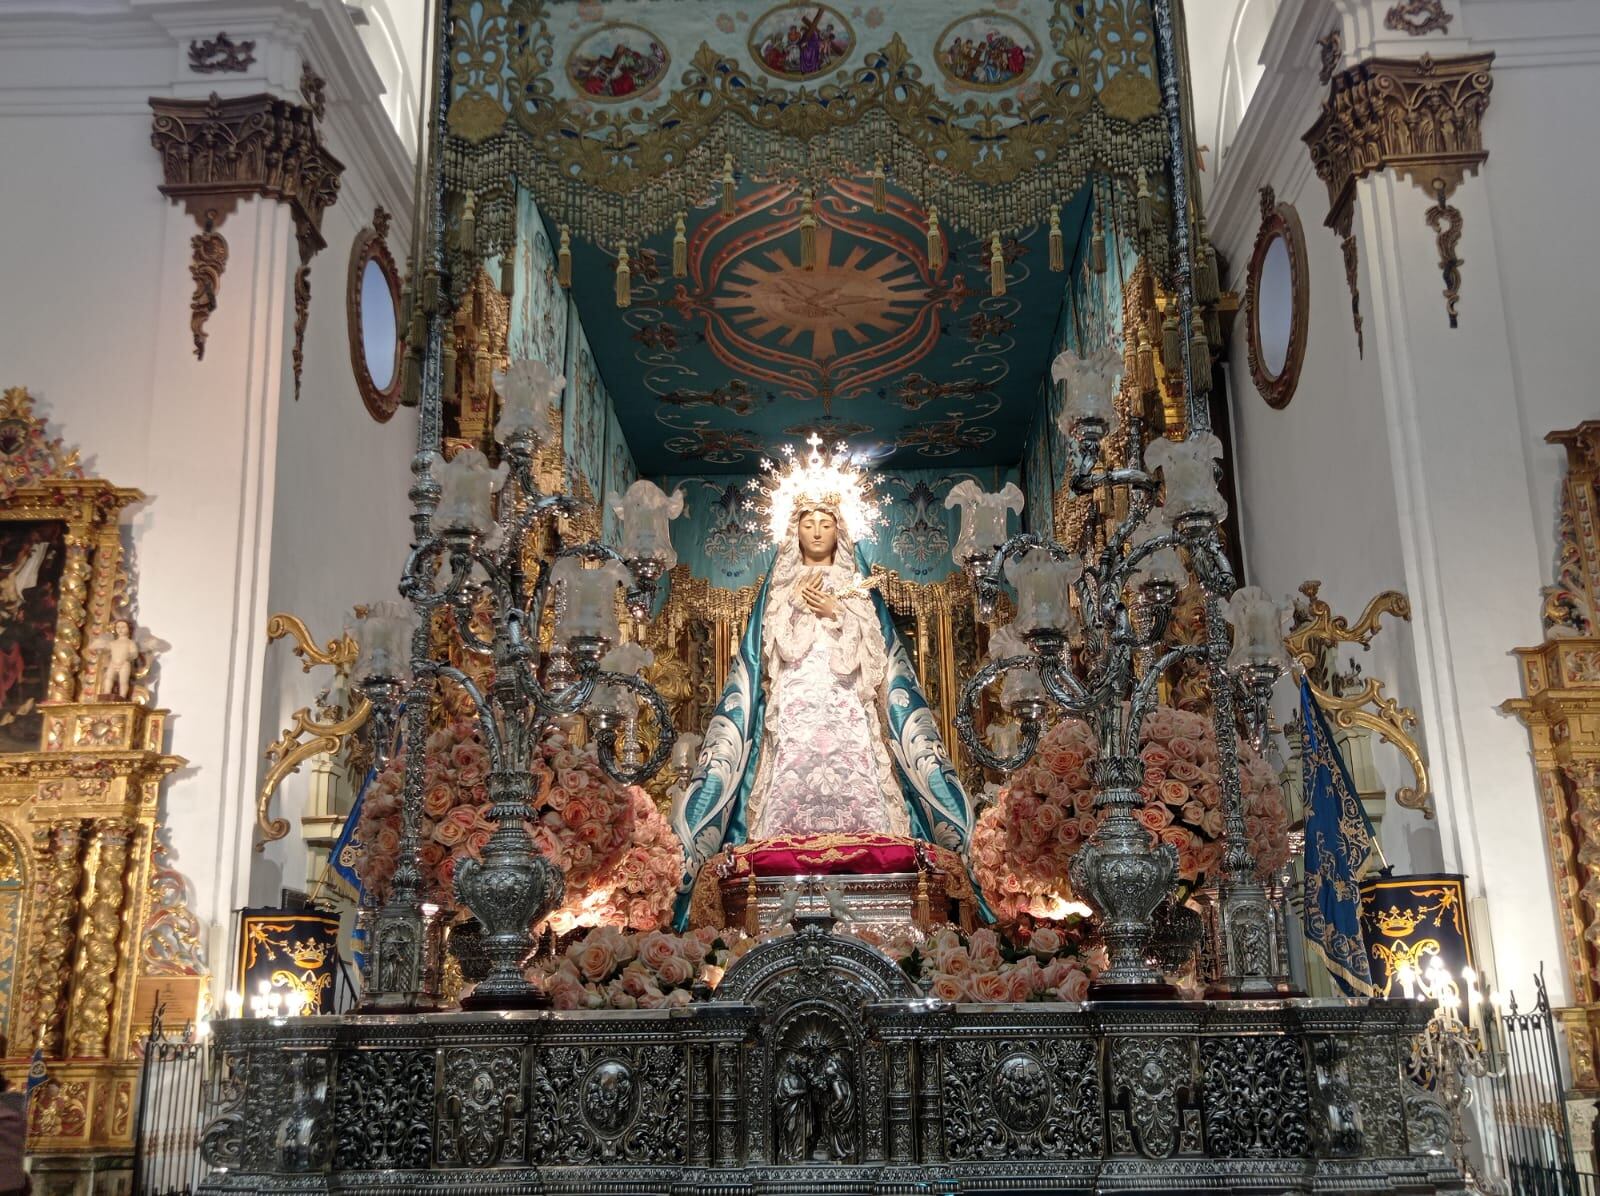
(1421, 118)
(215, 152)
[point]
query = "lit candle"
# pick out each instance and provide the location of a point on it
(1469, 976)
(466, 492)
(1044, 590)
(1407, 975)
(233, 1002)
(528, 390)
(983, 517)
(274, 1003)
(384, 639)
(644, 512)
(1188, 473)
(296, 1002)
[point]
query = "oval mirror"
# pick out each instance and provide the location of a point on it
(1277, 302)
(372, 308)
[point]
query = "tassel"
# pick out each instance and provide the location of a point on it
(1214, 328)
(1147, 207)
(1058, 256)
(997, 266)
(469, 224)
(1097, 245)
(1199, 357)
(407, 302)
(935, 240)
(808, 233)
(1206, 284)
(880, 187)
(624, 277)
(411, 382)
(1146, 363)
(680, 248)
(508, 273)
(1171, 342)
(450, 367)
(564, 259)
(727, 184)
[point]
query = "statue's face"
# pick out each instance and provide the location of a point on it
(819, 533)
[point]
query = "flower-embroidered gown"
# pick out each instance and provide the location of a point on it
(826, 766)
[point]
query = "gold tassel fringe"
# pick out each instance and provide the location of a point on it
(880, 187)
(1058, 255)
(1147, 207)
(935, 240)
(808, 233)
(1097, 245)
(564, 258)
(508, 273)
(1171, 342)
(997, 266)
(1146, 364)
(624, 278)
(680, 247)
(469, 223)
(727, 184)
(449, 366)
(1199, 357)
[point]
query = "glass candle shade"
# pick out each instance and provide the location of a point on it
(1091, 385)
(644, 512)
(1162, 565)
(384, 640)
(1258, 629)
(1004, 738)
(686, 752)
(590, 599)
(1044, 590)
(528, 391)
(631, 659)
(983, 517)
(1018, 684)
(1187, 469)
(466, 492)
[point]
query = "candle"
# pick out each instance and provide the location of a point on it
(1090, 387)
(1258, 629)
(1044, 590)
(466, 492)
(1407, 975)
(528, 391)
(644, 512)
(686, 752)
(1004, 738)
(384, 640)
(1188, 473)
(983, 517)
(1019, 684)
(1162, 565)
(296, 1002)
(590, 598)
(233, 1002)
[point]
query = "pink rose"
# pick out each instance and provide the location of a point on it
(991, 986)
(1045, 939)
(1020, 983)
(946, 988)
(450, 833)
(984, 949)
(1174, 793)
(437, 800)
(675, 970)
(1154, 816)
(596, 960)
(1075, 987)
(656, 949)
(1153, 755)
(1183, 749)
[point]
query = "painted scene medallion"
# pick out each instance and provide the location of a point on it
(987, 51)
(801, 41)
(617, 62)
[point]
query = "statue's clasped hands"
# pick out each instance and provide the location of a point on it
(817, 600)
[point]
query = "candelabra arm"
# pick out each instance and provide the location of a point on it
(1138, 479)
(1113, 563)
(486, 719)
(966, 716)
(666, 733)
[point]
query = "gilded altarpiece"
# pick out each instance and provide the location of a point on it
(1561, 708)
(94, 929)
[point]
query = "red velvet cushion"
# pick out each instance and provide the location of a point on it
(813, 855)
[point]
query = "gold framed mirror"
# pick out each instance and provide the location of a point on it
(1277, 302)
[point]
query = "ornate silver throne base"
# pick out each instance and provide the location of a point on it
(818, 1071)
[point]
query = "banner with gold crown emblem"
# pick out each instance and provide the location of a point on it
(1410, 920)
(288, 959)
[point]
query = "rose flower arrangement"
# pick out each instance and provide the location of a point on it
(1023, 844)
(583, 820)
(637, 892)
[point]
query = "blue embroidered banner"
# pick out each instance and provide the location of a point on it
(347, 847)
(1339, 850)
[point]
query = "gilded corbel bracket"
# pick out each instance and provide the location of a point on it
(307, 735)
(215, 152)
(1421, 118)
(1316, 629)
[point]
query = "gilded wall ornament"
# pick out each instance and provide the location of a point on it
(1330, 48)
(215, 152)
(314, 91)
(1421, 118)
(1417, 17)
(221, 54)
(210, 258)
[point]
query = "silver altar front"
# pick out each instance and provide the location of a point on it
(817, 1069)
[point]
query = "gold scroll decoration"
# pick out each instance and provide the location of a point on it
(307, 735)
(1560, 707)
(1318, 628)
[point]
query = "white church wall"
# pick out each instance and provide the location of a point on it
(1430, 449)
(96, 324)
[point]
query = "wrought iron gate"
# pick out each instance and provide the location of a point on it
(1533, 1136)
(173, 1084)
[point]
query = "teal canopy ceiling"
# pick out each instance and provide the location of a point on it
(917, 365)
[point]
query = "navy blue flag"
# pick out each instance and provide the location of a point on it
(347, 848)
(1339, 851)
(36, 1071)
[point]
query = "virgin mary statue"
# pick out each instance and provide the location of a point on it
(822, 727)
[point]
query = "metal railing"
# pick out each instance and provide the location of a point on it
(173, 1083)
